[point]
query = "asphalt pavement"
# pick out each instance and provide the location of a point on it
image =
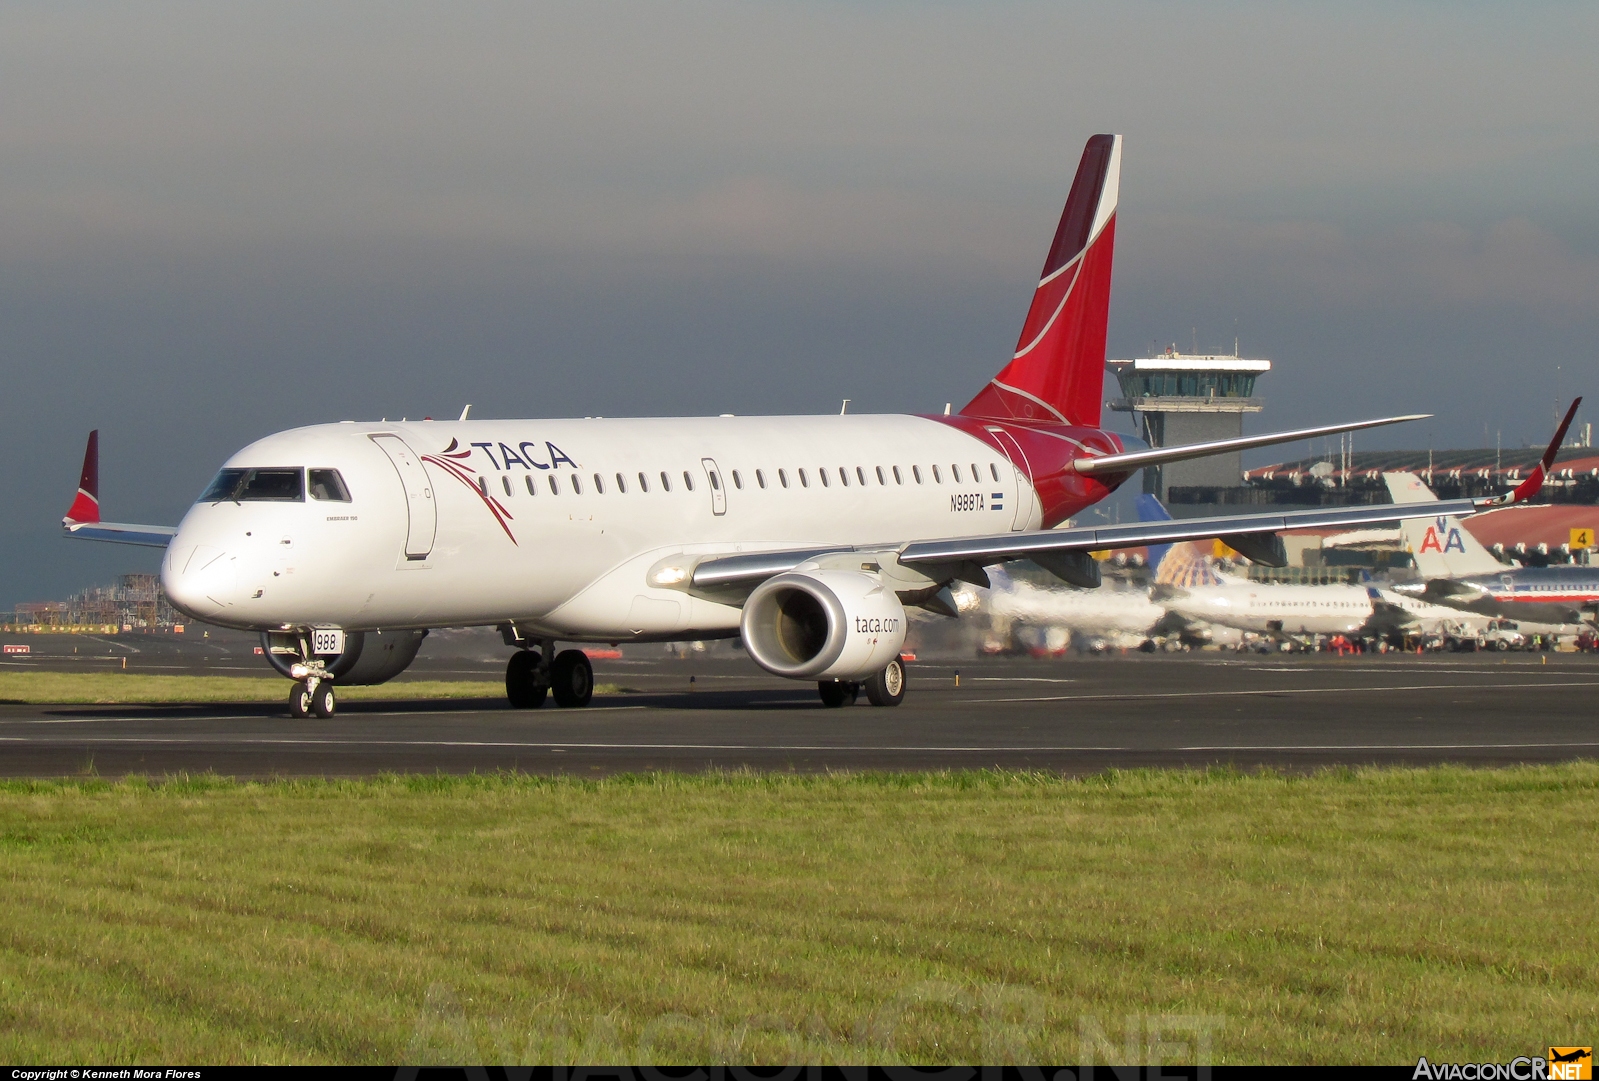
(698, 712)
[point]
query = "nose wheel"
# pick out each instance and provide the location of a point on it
(306, 700)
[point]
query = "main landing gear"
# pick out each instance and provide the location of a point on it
(884, 688)
(569, 677)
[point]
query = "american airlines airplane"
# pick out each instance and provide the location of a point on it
(1459, 573)
(806, 536)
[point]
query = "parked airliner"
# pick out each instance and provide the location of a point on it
(1460, 574)
(806, 536)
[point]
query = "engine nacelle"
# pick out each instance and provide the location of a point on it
(823, 624)
(369, 656)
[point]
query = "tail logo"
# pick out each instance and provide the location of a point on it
(1451, 542)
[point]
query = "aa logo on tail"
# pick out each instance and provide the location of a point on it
(1451, 538)
(1570, 1063)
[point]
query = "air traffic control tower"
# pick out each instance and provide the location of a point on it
(1177, 398)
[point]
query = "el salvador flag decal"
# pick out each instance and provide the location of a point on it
(997, 502)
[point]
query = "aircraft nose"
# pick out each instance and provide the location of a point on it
(200, 579)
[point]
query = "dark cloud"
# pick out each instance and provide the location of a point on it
(217, 222)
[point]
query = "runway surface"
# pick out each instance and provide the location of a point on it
(1077, 715)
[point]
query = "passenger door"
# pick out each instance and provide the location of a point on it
(422, 515)
(1014, 484)
(713, 476)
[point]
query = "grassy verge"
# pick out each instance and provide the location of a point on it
(1360, 916)
(120, 687)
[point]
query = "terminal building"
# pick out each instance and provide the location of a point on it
(1178, 398)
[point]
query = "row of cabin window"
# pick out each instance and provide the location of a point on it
(861, 478)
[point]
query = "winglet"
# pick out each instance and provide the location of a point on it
(1534, 482)
(86, 505)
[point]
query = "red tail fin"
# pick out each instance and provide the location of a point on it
(86, 507)
(1058, 371)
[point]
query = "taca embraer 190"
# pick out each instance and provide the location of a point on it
(806, 536)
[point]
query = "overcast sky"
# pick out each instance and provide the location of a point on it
(217, 221)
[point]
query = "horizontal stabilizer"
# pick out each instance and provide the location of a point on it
(1137, 459)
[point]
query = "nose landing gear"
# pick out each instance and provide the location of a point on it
(312, 696)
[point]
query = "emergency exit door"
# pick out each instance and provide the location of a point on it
(713, 477)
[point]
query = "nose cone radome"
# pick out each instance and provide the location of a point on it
(200, 580)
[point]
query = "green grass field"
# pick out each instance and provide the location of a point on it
(130, 687)
(1358, 916)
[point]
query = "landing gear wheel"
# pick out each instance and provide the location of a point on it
(300, 700)
(522, 686)
(323, 704)
(887, 688)
(837, 692)
(572, 678)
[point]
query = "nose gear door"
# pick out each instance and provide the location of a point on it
(713, 476)
(422, 515)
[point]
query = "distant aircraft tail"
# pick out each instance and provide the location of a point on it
(1182, 564)
(1441, 547)
(1058, 371)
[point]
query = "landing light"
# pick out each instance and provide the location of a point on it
(298, 671)
(670, 576)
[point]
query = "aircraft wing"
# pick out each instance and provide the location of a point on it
(1253, 531)
(83, 518)
(1059, 550)
(151, 536)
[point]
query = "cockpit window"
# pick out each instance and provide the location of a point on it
(257, 486)
(327, 485)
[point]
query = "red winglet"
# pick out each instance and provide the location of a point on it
(86, 507)
(1534, 482)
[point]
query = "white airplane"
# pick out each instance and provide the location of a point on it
(1283, 611)
(1120, 614)
(1108, 610)
(807, 536)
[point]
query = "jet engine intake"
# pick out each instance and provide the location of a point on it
(823, 624)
